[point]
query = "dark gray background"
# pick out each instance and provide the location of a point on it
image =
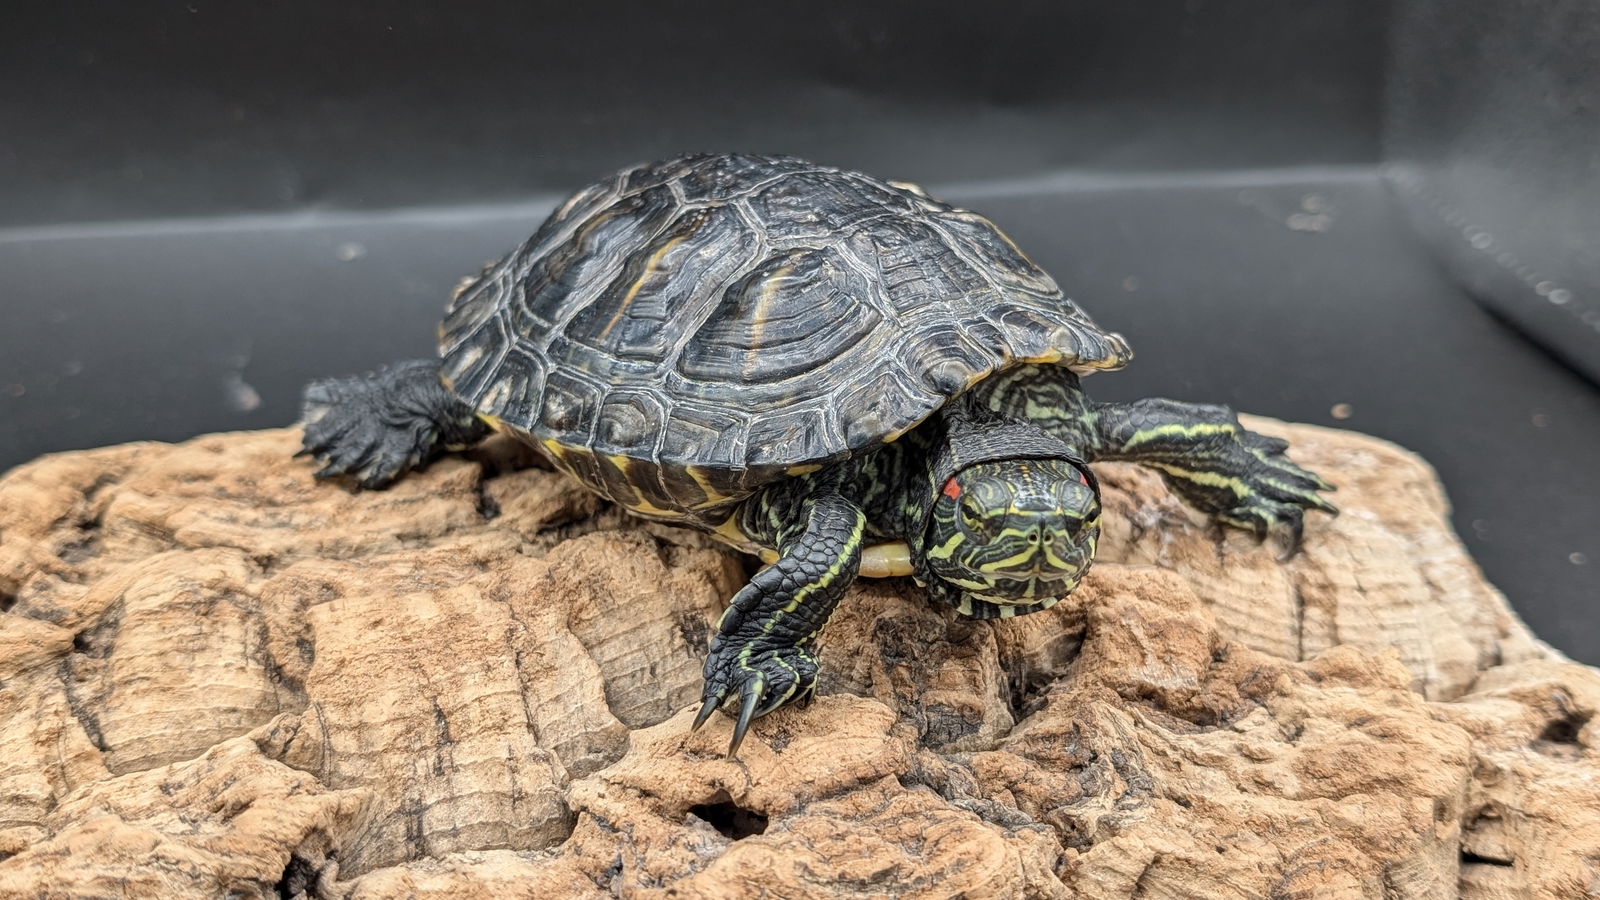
(202, 205)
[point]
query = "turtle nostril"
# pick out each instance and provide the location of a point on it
(1049, 537)
(1033, 535)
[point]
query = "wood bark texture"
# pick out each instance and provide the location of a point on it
(220, 679)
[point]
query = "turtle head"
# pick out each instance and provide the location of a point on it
(1015, 533)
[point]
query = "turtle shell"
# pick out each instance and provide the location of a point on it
(687, 331)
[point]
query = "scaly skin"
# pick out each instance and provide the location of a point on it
(762, 654)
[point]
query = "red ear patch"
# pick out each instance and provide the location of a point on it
(951, 489)
(1082, 478)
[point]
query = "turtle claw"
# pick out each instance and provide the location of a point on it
(762, 682)
(706, 709)
(747, 711)
(1270, 493)
(1264, 517)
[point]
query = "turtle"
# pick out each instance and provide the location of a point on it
(838, 373)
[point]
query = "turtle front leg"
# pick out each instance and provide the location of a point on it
(377, 427)
(762, 655)
(1216, 465)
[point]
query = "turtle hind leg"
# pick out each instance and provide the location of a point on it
(377, 427)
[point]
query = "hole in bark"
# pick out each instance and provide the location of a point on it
(1468, 857)
(734, 821)
(1025, 695)
(7, 601)
(299, 877)
(1565, 729)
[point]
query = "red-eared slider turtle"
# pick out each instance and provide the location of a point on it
(839, 373)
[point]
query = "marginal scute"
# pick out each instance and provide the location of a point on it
(476, 305)
(696, 425)
(576, 208)
(948, 362)
(630, 420)
(879, 405)
(518, 386)
(807, 432)
(1036, 337)
(570, 404)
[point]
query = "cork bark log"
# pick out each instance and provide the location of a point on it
(218, 678)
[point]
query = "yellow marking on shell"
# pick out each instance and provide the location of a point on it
(910, 186)
(713, 496)
(806, 469)
(886, 560)
(492, 421)
(639, 505)
(893, 436)
(463, 360)
(729, 533)
(1053, 355)
(638, 285)
(557, 455)
(650, 509)
(759, 314)
(569, 204)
